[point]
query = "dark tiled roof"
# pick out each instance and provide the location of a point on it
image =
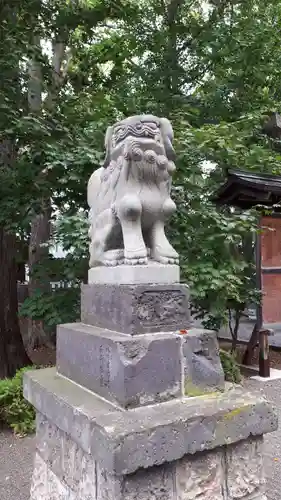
(246, 189)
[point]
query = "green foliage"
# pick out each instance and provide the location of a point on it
(230, 367)
(15, 411)
(62, 305)
(216, 247)
(213, 69)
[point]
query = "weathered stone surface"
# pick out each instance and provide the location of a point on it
(109, 486)
(66, 405)
(49, 444)
(157, 483)
(244, 469)
(56, 489)
(136, 309)
(45, 485)
(153, 272)
(202, 366)
(39, 479)
(130, 371)
(200, 477)
(87, 484)
(72, 467)
(124, 441)
(229, 472)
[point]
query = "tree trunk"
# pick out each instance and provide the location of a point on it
(40, 234)
(252, 344)
(12, 352)
(40, 226)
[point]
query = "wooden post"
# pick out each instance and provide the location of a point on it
(264, 361)
(249, 352)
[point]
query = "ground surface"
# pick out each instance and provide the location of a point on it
(16, 457)
(16, 454)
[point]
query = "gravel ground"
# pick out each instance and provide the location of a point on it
(16, 458)
(16, 455)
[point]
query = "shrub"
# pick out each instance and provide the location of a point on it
(230, 367)
(15, 411)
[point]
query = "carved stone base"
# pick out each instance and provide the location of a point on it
(185, 449)
(136, 309)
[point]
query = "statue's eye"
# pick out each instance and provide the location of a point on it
(138, 125)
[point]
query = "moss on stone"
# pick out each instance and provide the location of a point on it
(233, 413)
(191, 390)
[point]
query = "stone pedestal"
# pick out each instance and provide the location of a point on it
(136, 309)
(137, 409)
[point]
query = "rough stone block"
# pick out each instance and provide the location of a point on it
(125, 441)
(46, 485)
(232, 472)
(203, 371)
(136, 309)
(56, 489)
(153, 273)
(155, 483)
(200, 477)
(244, 470)
(39, 479)
(108, 485)
(128, 370)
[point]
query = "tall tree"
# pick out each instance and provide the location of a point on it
(12, 352)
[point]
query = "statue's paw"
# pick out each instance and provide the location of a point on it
(136, 261)
(144, 260)
(113, 258)
(169, 257)
(112, 262)
(174, 261)
(136, 257)
(167, 260)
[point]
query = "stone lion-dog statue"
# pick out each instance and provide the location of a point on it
(129, 197)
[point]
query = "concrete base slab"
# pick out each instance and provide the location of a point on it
(274, 375)
(125, 441)
(153, 272)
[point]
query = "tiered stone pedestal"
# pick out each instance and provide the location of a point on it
(136, 410)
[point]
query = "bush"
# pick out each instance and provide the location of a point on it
(230, 367)
(15, 411)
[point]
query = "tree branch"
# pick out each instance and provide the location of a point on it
(172, 11)
(35, 82)
(59, 70)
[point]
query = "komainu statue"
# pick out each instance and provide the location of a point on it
(129, 197)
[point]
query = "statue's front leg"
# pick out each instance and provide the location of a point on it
(161, 249)
(129, 210)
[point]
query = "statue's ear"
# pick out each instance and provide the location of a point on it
(168, 136)
(107, 143)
